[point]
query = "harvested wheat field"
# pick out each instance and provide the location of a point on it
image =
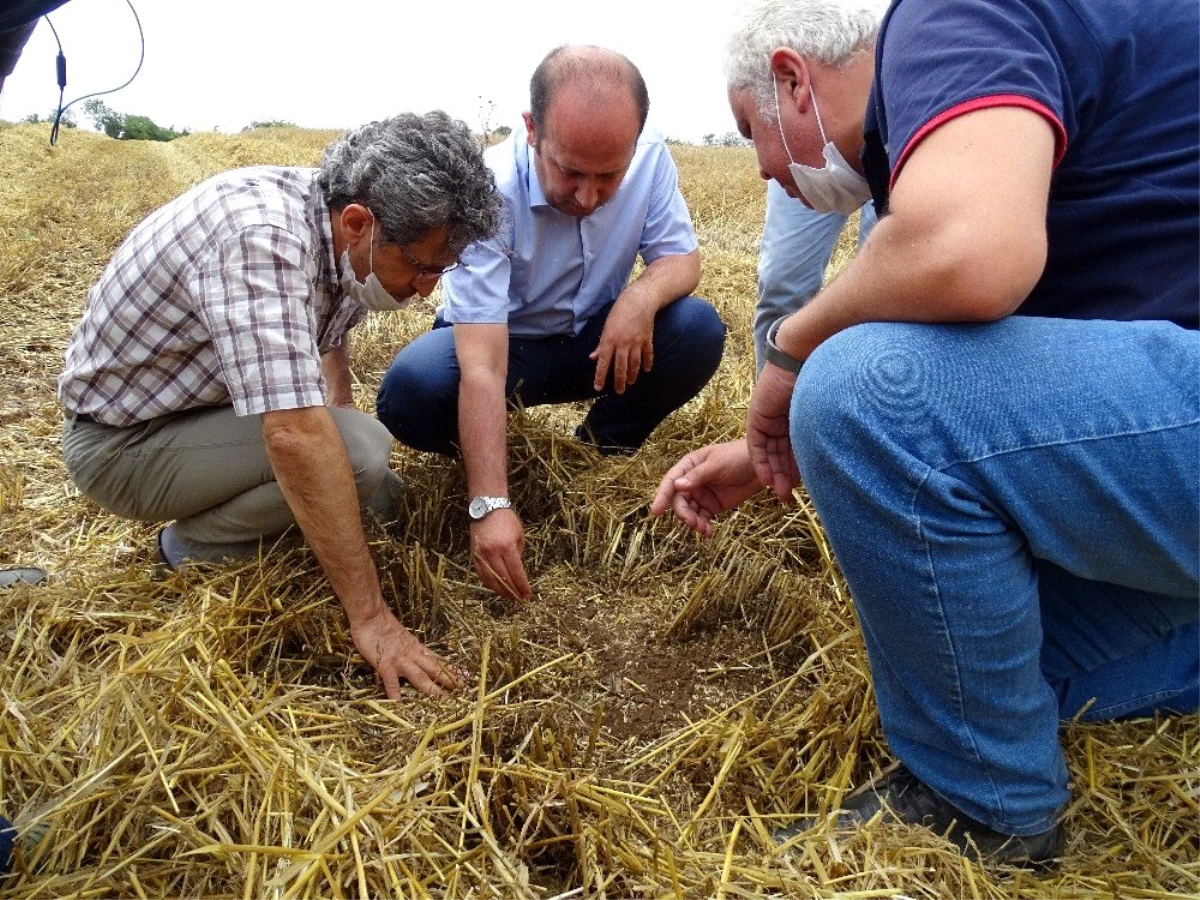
(635, 730)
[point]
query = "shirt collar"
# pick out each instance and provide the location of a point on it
(533, 185)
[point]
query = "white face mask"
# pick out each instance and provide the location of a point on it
(834, 188)
(371, 293)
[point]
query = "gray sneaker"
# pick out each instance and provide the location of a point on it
(902, 797)
(175, 554)
(24, 575)
(387, 502)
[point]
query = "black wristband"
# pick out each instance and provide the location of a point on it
(777, 357)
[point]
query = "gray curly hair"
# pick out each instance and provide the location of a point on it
(829, 31)
(414, 173)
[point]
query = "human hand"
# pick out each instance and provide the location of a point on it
(705, 483)
(497, 542)
(394, 652)
(767, 433)
(626, 344)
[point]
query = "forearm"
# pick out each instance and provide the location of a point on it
(335, 367)
(902, 274)
(666, 280)
(483, 431)
(313, 471)
(497, 539)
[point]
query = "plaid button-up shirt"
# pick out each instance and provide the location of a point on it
(227, 295)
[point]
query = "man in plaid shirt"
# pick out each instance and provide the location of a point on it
(208, 382)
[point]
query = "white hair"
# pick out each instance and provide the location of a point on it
(828, 31)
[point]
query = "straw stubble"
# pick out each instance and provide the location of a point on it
(637, 729)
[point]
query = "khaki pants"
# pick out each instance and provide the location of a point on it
(208, 470)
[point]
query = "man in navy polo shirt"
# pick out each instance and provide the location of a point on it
(997, 414)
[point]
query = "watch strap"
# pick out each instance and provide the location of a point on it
(778, 357)
(480, 506)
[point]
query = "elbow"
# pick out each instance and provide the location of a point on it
(1000, 288)
(287, 433)
(694, 273)
(281, 442)
(483, 378)
(986, 281)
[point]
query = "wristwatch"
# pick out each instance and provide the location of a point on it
(777, 357)
(481, 506)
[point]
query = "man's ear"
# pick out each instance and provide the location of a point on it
(791, 74)
(530, 129)
(355, 220)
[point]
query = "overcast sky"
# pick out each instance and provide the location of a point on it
(224, 63)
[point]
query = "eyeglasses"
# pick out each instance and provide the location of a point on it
(426, 271)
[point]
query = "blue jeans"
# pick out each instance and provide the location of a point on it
(792, 257)
(1016, 509)
(8, 836)
(418, 397)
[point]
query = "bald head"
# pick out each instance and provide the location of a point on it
(589, 78)
(588, 107)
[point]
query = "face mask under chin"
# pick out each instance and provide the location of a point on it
(834, 188)
(370, 294)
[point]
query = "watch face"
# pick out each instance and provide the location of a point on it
(481, 506)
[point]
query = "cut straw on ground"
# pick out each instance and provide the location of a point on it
(637, 729)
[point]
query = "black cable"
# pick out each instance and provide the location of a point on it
(60, 64)
(62, 73)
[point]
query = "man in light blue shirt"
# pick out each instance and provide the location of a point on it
(797, 242)
(545, 312)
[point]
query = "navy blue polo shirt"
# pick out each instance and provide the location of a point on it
(1119, 82)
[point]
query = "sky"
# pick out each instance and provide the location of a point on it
(221, 64)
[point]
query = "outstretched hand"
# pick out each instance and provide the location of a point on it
(706, 483)
(767, 432)
(396, 653)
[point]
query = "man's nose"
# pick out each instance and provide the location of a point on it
(587, 194)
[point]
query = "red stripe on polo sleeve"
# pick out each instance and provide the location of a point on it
(1060, 132)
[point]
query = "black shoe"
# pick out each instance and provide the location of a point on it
(585, 435)
(901, 797)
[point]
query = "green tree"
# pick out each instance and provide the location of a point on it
(104, 119)
(270, 123)
(728, 139)
(142, 128)
(67, 121)
(128, 127)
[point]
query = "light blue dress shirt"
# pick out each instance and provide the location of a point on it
(796, 246)
(547, 273)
